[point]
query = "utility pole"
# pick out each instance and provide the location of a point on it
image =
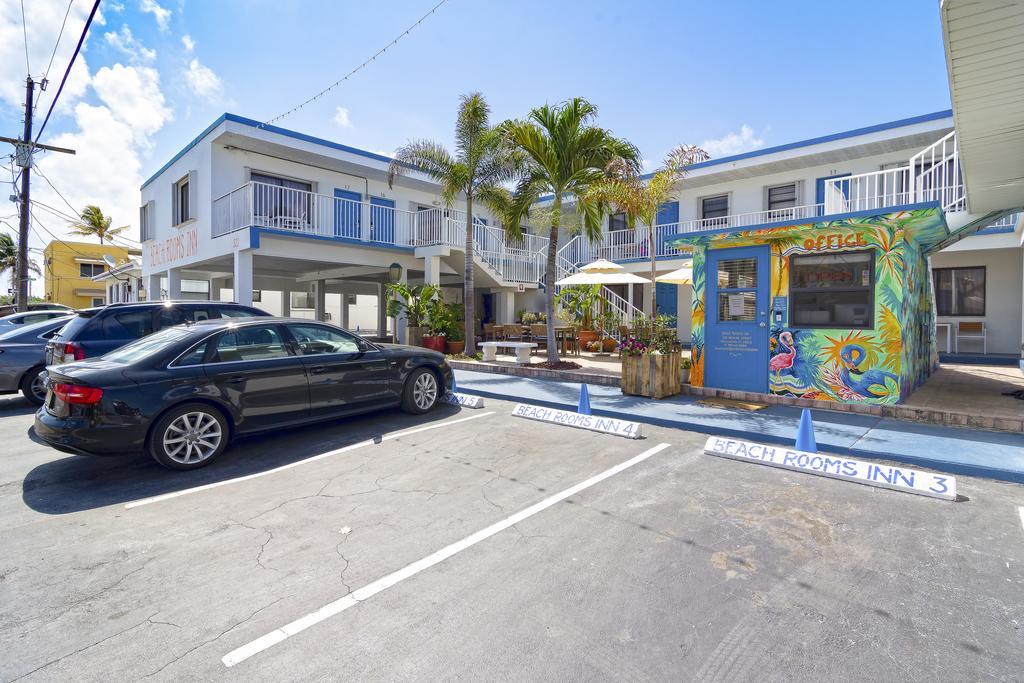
(24, 150)
(24, 156)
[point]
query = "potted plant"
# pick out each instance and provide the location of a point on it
(652, 367)
(412, 303)
(576, 307)
(684, 372)
(439, 324)
(455, 338)
(609, 320)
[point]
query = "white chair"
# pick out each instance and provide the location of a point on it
(971, 329)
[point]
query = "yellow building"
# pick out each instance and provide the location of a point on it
(70, 266)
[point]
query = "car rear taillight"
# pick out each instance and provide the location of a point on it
(73, 351)
(72, 393)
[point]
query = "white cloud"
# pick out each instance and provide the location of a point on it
(161, 14)
(190, 45)
(115, 6)
(125, 42)
(202, 80)
(44, 22)
(341, 118)
(733, 143)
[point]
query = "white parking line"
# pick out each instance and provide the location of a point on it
(355, 597)
(328, 454)
(1020, 511)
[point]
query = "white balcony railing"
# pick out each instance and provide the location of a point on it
(270, 206)
(932, 175)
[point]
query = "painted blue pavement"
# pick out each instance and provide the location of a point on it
(960, 451)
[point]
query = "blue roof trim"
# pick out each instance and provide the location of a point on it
(924, 118)
(185, 149)
(817, 219)
(996, 231)
(235, 118)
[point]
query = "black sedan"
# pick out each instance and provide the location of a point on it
(182, 393)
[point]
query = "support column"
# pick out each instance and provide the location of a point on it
(286, 303)
(432, 270)
(174, 283)
(320, 300)
(153, 287)
(401, 335)
(382, 311)
(242, 284)
(505, 300)
(344, 310)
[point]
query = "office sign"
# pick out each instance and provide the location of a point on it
(594, 423)
(464, 400)
(836, 467)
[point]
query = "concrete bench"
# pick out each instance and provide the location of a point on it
(522, 350)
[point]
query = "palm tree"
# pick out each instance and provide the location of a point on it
(566, 154)
(481, 164)
(9, 259)
(95, 224)
(641, 200)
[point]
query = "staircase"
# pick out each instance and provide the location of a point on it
(579, 252)
(507, 262)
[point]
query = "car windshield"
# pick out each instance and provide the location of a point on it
(36, 328)
(147, 346)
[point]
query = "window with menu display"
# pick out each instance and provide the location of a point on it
(832, 290)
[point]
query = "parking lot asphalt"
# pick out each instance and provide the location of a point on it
(484, 546)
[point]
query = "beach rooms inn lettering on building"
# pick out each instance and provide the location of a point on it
(175, 248)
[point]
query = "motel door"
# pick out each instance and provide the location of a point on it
(736, 319)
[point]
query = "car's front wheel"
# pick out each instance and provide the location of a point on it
(189, 437)
(421, 392)
(33, 386)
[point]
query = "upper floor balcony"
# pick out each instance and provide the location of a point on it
(375, 223)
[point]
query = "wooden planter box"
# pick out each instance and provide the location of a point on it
(653, 375)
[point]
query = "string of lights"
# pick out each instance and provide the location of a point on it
(358, 68)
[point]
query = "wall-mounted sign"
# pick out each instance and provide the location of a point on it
(606, 425)
(464, 400)
(520, 287)
(835, 241)
(836, 467)
(180, 246)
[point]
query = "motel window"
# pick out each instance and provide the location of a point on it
(90, 269)
(714, 208)
(183, 199)
(960, 291)
(832, 290)
(781, 197)
(737, 290)
(617, 221)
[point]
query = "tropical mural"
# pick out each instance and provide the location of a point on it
(880, 365)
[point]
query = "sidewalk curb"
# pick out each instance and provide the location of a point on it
(1015, 476)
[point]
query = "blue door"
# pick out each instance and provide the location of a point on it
(819, 189)
(736, 319)
(382, 220)
(668, 214)
(347, 214)
(667, 298)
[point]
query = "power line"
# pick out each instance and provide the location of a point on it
(59, 36)
(24, 32)
(73, 217)
(74, 56)
(355, 70)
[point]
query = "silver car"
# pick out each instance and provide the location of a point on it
(20, 320)
(23, 358)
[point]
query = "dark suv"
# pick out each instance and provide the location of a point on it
(95, 331)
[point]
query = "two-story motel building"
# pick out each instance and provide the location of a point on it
(311, 227)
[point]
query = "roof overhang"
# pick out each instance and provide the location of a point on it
(985, 62)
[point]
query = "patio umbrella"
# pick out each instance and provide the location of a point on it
(601, 266)
(601, 278)
(682, 276)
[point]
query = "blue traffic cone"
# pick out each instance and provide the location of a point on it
(805, 433)
(584, 407)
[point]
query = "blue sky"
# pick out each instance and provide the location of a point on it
(736, 75)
